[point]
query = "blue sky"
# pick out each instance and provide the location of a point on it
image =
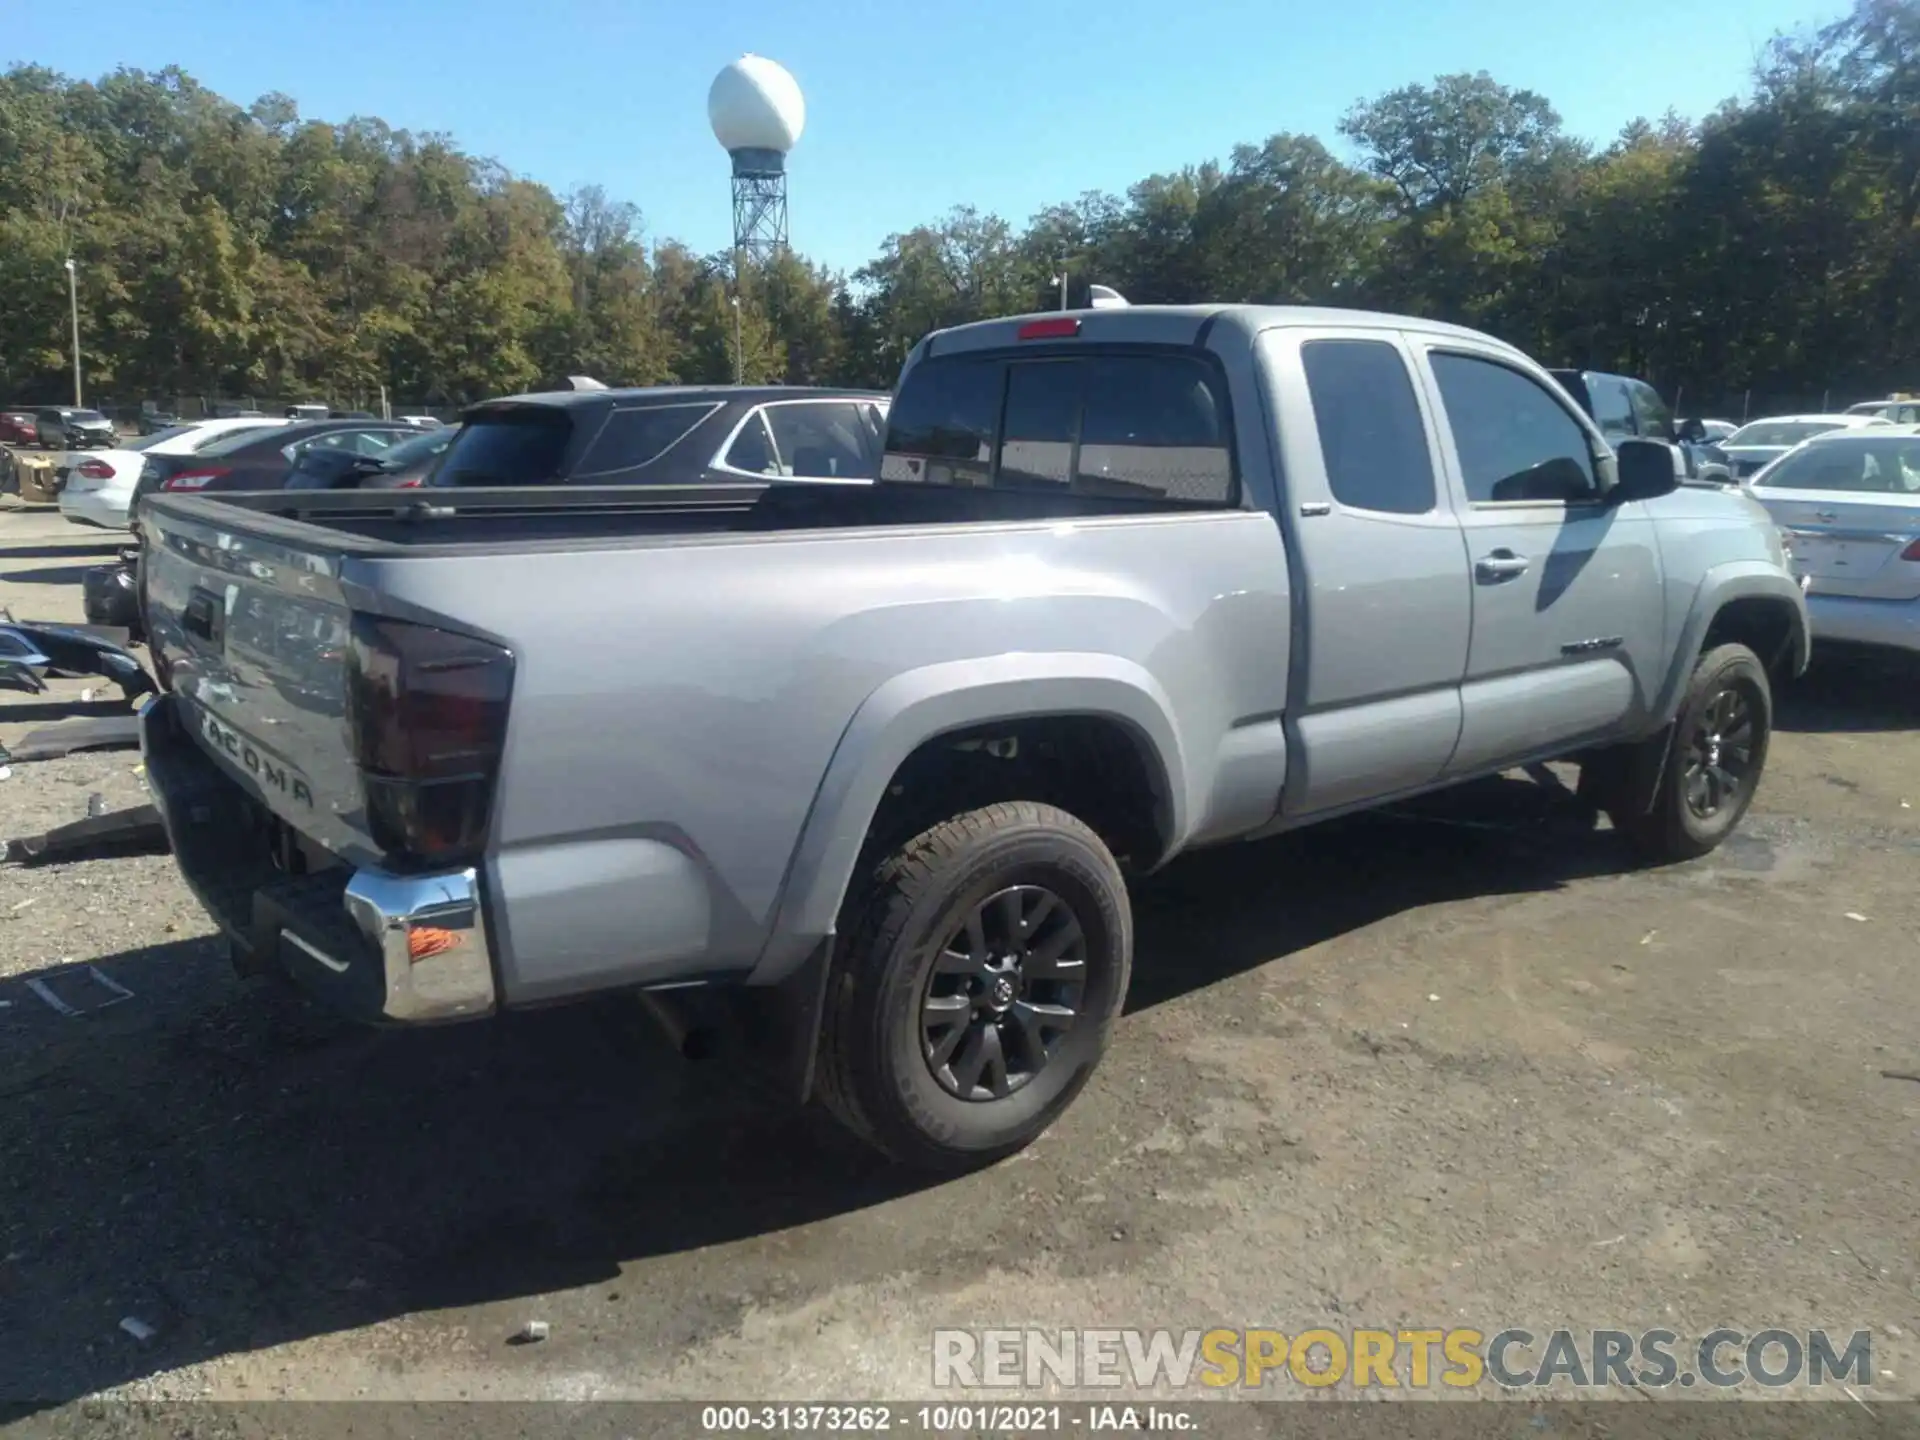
(913, 107)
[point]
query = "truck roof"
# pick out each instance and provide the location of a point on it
(755, 394)
(1179, 324)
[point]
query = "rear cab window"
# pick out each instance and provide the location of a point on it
(1135, 424)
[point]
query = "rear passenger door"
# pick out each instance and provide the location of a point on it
(1568, 620)
(1382, 603)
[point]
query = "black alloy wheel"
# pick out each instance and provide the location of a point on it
(1719, 757)
(1004, 989)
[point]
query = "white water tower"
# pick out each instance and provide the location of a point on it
(757, 113)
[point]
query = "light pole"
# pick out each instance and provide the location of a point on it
(73, 300)
(739, 363)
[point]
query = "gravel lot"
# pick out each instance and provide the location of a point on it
(1463, 1066)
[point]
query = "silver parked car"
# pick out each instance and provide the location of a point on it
(1848, 504)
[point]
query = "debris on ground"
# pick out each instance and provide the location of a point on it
(137, 829)
(531, 1333)
(138, 1328)
(108, 732)
(31, 650)
(117, 994)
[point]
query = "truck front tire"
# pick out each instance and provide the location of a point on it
(1717, 752)
(980, 971)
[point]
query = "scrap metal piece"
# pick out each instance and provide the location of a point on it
(136, 829)
(23, 664)
(72, 650)
(18, 675)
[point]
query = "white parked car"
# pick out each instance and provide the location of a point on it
(97, 489)
(1848, 506)
(1756, 445)
(1899, 409)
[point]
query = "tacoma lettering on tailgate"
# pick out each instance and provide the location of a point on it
(263, 767)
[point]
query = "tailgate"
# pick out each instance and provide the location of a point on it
(251, 633)
(1850, 544)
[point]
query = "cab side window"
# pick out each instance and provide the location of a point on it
(1371, 438)
(1515, 441)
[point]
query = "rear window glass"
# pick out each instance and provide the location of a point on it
(1371, 437)
(228, 441)
(1042, 417)
(239, 436)
(147, 442)
(418, 447)
(1870, 467)
(507, 447)
(941, 428)
(1781, 432)
(1141, 426)
(635, 436)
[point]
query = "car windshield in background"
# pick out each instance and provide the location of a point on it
(1889, 466)
(507, 447)
(1780, 432)
(86, 417)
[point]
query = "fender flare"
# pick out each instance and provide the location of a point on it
(1732, 580)
(922, 704)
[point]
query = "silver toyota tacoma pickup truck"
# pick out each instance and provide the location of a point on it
(867, 767)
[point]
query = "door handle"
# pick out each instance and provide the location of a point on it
(1500, 565)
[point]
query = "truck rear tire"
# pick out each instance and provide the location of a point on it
(1718, 751)
(981, 968)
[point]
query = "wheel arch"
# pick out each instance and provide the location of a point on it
(1748, 602)
(927, 706)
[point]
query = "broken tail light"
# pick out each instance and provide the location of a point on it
(427, 720)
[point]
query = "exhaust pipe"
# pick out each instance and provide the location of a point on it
(687, 1023)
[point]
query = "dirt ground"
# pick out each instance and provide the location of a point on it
(1458, 1066)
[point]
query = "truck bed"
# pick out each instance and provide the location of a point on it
(368, 523)
(695, 674)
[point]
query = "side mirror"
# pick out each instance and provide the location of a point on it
(1645, 470)
(1693, 432)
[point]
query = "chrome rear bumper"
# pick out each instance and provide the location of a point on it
(431, 936)
(407, 949)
